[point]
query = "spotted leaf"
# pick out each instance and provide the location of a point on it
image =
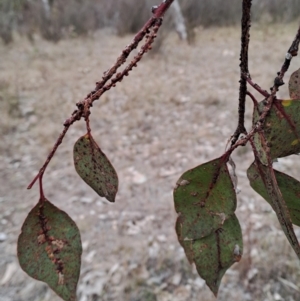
(281, 130)
(204, 198)
(49, 249)
(217, 252)
(94, 168)
(289, 187)
(294, 85)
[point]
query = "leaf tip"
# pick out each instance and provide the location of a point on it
(214, 287)
(111, 199)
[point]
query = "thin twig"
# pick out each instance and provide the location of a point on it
(258, 126)
(50, 156)
(246, 24)
(255, 102)
(278, 81)
(256, 86)
(293, 51)
(42, 196)
(119, 76)
(88, 128)
(85, 104)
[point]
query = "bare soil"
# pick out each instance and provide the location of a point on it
(175, 111)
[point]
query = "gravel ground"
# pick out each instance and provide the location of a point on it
(176, 110)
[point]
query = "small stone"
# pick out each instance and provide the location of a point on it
(11, 269)
(136, 176)
(182, 293)
(199, 282)
(176, 279)
(86, 200)
(3, 236)
(27, 111)
(252, 273)
(277, 297)
(161, 238)
(90, 256)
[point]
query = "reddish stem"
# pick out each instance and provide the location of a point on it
(255, 102)
(256, 87)
(258, 126)
(154, 22)
(42, 196)
(293, 51)
(88, 128)
(119, 76)
(50, 156)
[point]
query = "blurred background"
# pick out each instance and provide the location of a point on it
(175, 111)
(58, 19)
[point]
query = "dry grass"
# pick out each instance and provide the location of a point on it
(175, 111)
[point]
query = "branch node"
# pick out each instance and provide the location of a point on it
(288, 56)
(154, 9)
(278, 82)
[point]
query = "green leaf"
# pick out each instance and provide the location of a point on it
(49, 249)
(278, 203)
(204, 198)
(94, 168)
(281, 129)
(294, 85)
(289, 187)
(206, 226)
(216, 253)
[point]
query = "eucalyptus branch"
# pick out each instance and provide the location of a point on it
(278, 81)
(245, 77)
(148, 31)
(207, 228)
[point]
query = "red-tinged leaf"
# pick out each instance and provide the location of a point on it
(204, 198)
(214, 254)
(281, 130)
(294, 85)
(289, 187)
(94, 168)
(49, 249)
